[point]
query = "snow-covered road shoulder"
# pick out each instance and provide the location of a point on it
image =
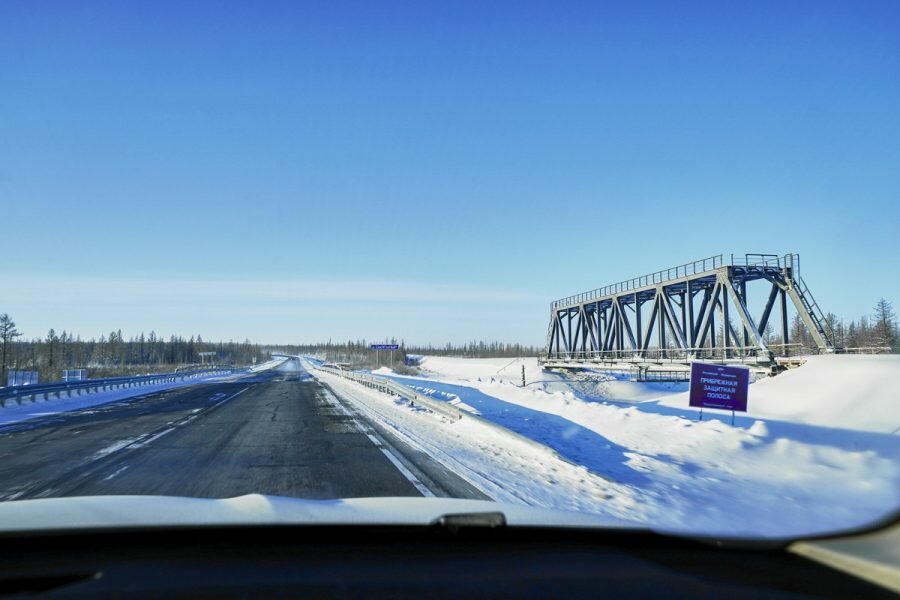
(818, 450)
(503, 467)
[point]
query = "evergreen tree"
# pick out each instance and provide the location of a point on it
(884, 326)
(8, 335)
(51, 347)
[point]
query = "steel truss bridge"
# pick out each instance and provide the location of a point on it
(696, 311)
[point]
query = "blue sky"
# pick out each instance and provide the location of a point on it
(431, 171)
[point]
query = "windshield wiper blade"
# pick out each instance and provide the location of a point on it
(476, 520)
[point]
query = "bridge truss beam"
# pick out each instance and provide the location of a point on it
(696, 311)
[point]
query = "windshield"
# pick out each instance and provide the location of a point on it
(532, 254)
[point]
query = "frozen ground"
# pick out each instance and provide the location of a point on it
(819, 449)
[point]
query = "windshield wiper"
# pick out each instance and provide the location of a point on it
(475, 520)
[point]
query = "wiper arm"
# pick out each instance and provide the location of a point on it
(475, 520)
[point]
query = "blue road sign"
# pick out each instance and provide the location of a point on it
(384, 347)
(17, 378)
(718, 386)
(74, 375)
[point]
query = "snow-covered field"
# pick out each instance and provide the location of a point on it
(818, 450)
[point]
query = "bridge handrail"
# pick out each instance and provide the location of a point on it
(61, 386)
(655, 354)
(692, 268)
(704, 265)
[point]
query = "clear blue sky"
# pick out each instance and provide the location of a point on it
(434, 171)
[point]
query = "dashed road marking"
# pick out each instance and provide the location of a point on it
(116, 473)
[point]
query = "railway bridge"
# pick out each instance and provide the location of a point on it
(697, 311)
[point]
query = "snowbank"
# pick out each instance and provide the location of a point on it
(843, 391)
(816, 453)
(504, 370)
(500, 369)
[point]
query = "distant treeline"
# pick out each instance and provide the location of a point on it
(114, 354)
(474, 349)
(876, 331)
(358, 355)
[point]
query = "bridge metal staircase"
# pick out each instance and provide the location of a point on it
(817, 323)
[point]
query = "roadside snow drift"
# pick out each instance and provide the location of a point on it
(818, 451)
(847, 392)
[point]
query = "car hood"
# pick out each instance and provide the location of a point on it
(102, 512)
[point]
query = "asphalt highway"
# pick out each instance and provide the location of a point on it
(276, 433)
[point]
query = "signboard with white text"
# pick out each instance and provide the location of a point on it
(719, 386)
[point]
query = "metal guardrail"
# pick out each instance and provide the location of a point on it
(866, 350)
(208, 367)
(70, 388)
(390, 387)
(675, 355)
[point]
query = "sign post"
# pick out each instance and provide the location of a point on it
(74, 375)
(377, 347)
(719, 386)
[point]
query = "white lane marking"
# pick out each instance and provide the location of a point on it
(232, 397)
(410, 476)
(143, 440)
(119, 470)
(330, 398)
(153, 438)
(115, 447)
